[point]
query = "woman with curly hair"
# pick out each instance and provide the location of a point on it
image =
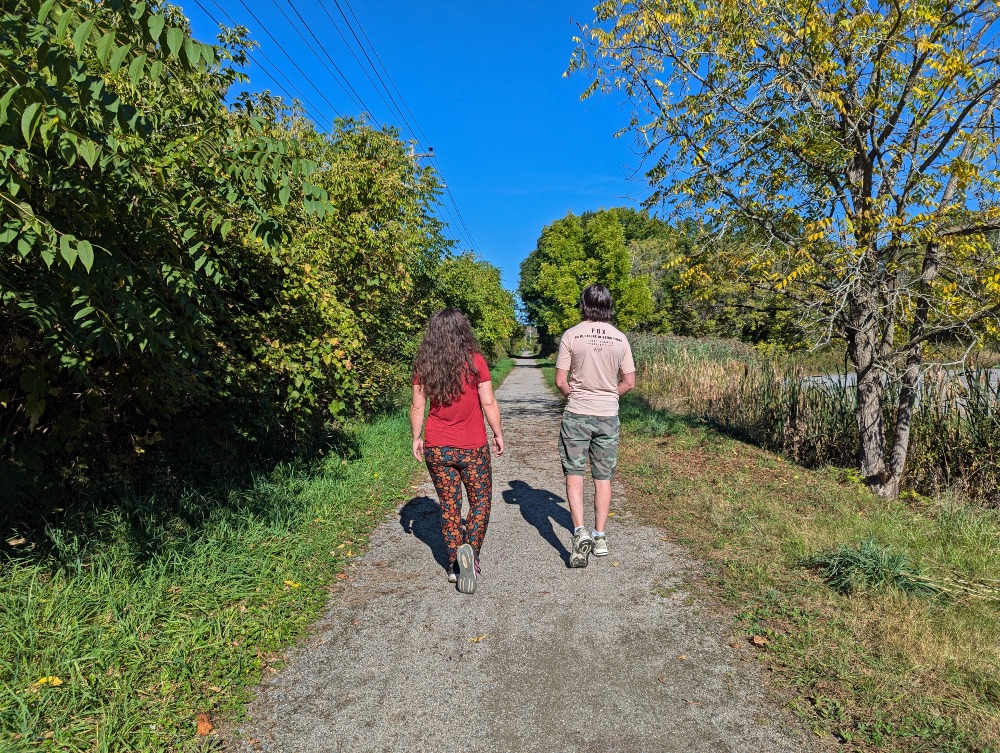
(450, 371)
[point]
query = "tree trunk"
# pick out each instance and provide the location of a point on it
(863, 349)
(911, 377)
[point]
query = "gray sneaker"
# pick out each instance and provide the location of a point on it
(452, 571)
(583, 543)
(467, 569)
(600, 546)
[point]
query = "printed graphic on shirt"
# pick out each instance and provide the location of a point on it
(594, 354)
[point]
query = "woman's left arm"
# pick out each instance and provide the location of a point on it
(417, 406)
(492, 411)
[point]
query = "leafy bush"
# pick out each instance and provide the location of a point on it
(185, 281)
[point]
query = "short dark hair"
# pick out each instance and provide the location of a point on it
(595, 304)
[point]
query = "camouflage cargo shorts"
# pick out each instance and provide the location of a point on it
(595, 437)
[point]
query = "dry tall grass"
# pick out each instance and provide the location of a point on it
(955, 439)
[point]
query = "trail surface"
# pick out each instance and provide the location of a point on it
(614, 657)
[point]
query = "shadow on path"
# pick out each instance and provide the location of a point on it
(421, 516)
(541, 508)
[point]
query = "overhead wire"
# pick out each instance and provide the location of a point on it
(390, 103)
(335, 71)
(252, 55)
(461, 225)
(290, 59)
(392, 97)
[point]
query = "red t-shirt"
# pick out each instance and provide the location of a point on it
(460, 424)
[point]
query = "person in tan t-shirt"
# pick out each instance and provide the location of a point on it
(593, 369)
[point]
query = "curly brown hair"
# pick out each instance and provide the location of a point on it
(444, 362)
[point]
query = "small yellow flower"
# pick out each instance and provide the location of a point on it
(375, 475)
(50, 680)
(292, 583)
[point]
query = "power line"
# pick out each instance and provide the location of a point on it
(301, 97)
(461, 225)
(290, 59)
(381, 64)
(344, 83)
(391, 102)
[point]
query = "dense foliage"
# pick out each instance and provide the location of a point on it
(176, 268)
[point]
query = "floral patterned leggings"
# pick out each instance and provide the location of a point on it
(450, 469)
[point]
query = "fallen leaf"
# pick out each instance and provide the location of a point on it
(681, 657)
(17, 541)
(204, 724)
(692, 703)
(661, 679)
(341, 546)
(611, 514)
(478, 638)
(616, 564)
(664, 538)
(215, 688)
(759, 640)
(734, 644)
(292, 583)
(341, 576)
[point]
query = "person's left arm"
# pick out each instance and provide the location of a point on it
(491, 409)
(626, 374)
(626, 382)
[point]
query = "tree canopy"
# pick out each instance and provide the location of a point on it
(577, 251)
(853, 143)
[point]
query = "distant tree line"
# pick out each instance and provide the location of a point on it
(659, 283)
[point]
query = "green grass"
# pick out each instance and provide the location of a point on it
(871, 665)
(149, 618)
(500, 370)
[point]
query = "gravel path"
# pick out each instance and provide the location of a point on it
(614, 657)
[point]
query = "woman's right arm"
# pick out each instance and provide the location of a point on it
(417, 406)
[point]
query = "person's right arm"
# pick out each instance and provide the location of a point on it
(563, 363)
(417, 406)
(562, 381)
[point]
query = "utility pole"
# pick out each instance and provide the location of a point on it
(412, 151)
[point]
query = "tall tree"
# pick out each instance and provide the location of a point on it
(576, 251)
(855, 141)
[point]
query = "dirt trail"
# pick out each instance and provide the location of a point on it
(614, 657)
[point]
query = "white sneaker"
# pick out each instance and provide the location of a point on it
(600, 546)
(583, 543)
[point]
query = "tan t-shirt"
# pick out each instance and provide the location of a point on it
(594, 353)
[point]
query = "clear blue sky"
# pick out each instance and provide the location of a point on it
(483, 81)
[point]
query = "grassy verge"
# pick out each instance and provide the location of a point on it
(872, 666)
(500, 370)
(116, 640)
